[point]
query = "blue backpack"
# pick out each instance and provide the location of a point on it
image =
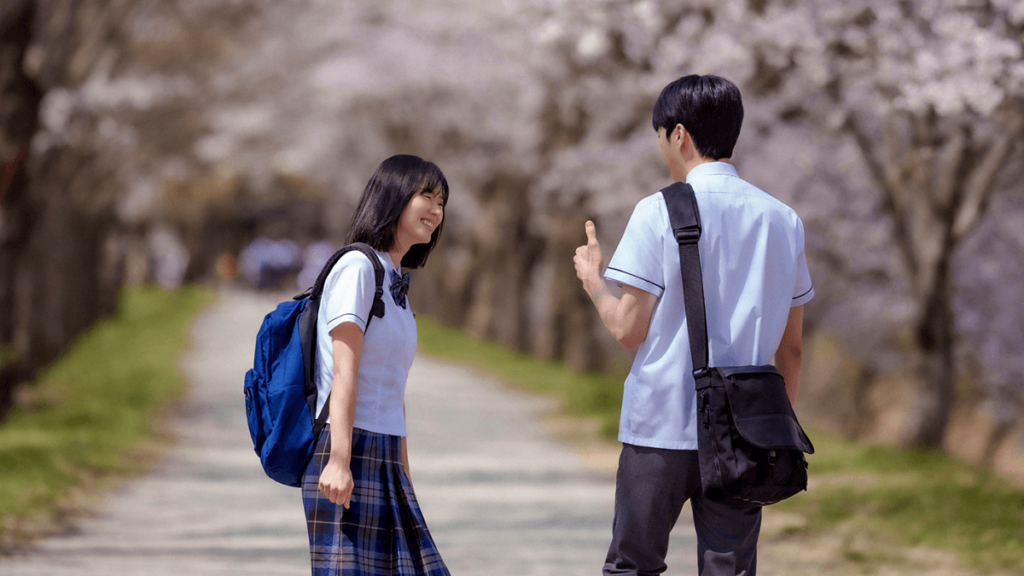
(280, 391)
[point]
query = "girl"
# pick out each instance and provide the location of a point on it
(361, 513)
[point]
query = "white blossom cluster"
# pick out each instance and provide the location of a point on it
(953, 55)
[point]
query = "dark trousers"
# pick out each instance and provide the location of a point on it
(650, 488)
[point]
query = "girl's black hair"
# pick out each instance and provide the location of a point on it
(389, 190)
(709, 108)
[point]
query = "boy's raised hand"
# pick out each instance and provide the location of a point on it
(588, 260)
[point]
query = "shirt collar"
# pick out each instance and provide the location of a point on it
(711, 169)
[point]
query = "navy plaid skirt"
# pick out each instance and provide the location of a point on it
(382, 533)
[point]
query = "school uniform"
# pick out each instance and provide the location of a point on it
(383, 532)
(754, 270)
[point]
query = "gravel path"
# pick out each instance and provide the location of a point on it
(502, 494)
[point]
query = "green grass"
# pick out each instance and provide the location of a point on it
(587, 394)
(892, 495)
(914, 498)
(87, 414)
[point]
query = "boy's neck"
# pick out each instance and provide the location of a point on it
(697, 161)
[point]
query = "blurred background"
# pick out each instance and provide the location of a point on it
(205, 141)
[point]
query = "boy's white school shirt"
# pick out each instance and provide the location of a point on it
(754, 270)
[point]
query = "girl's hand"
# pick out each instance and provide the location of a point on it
(336, 483)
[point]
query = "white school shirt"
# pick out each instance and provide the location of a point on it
(754, 270)
(389, 344)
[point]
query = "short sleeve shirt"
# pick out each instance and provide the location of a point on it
(389, 344)
(754, 270)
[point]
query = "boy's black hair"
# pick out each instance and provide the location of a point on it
(389, 190)
(709, 108)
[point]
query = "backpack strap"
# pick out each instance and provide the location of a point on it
(684, 217)
(314, 293)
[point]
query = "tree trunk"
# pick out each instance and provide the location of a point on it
(19, 113)
(935, 188)
(503, 258)
(935, 368)
(59, 239)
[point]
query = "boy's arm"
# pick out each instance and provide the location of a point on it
(789, 356)
(627, 318)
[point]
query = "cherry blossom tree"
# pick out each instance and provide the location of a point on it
(932, 94)
(929, 93)
(893, 129)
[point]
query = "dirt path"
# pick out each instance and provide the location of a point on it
(502, 495)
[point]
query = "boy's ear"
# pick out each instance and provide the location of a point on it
(679, 135)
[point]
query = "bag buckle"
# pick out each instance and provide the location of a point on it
(688, 235)
(701, 373)
(306, 294)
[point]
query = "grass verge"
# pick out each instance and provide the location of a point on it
(877, 496)
(85, 419)
(912, 498)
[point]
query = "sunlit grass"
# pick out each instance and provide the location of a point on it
(88, 411)
(913, 498)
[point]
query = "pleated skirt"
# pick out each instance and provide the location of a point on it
(382, 533)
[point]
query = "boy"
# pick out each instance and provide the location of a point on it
(755, 285)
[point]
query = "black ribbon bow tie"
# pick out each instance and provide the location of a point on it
(399, 287)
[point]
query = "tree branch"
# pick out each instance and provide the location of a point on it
(952, 175)
(980, 193)
(890, 201)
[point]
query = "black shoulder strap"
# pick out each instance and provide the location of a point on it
(313, 306)
(685, 219)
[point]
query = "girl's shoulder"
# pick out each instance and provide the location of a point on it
(354, 258)
(352, 267)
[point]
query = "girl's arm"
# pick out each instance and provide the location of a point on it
(405, 457)
(405, 450)
(336, 478)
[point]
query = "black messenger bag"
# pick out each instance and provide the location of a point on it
(749, 443)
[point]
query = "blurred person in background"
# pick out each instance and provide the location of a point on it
(267, 263)
(362, 515)
(755, 282)
(314, 257)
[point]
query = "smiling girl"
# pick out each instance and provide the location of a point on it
(361, 512)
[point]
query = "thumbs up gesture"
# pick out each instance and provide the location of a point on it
(588, 262)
